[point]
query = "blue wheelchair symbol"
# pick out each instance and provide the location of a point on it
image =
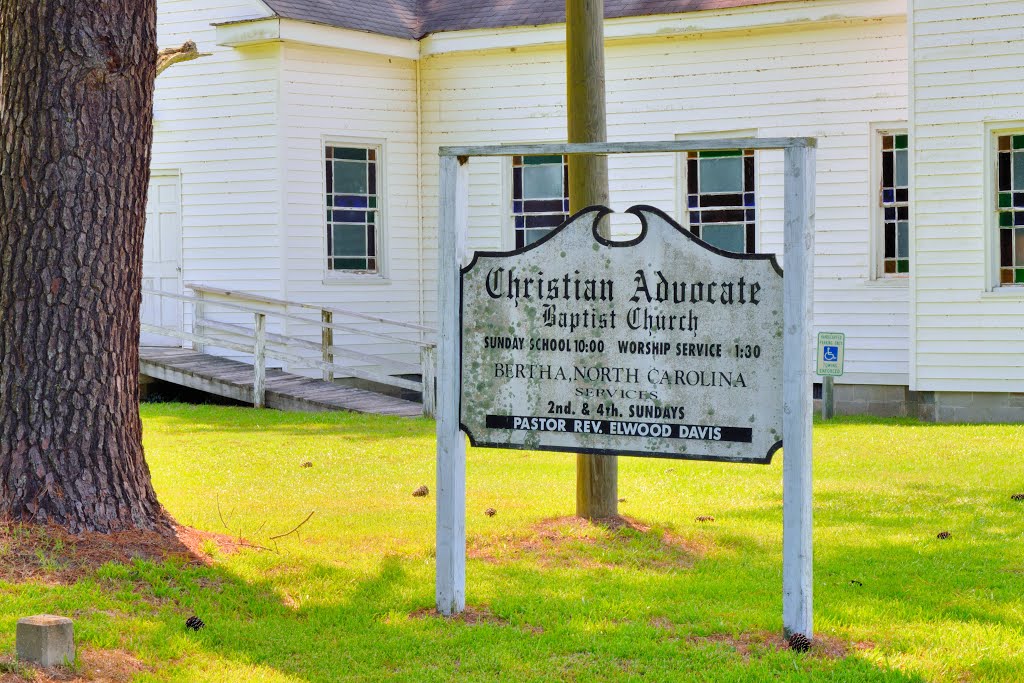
(831, 353)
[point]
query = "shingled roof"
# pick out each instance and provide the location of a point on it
(417, 18)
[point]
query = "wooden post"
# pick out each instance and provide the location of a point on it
(451, 445)
(198, 313)
(259, 362)
(428, 366)
(797, 396)
(327, 341)
(596, 475)
(828, 406)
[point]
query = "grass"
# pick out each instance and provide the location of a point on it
(346, 597)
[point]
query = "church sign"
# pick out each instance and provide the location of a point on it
(661, 346)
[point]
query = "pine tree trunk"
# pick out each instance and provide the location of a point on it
(76, 93)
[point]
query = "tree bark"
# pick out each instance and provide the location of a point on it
(596, 475)
(76, 105)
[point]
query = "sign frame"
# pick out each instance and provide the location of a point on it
(798, 296)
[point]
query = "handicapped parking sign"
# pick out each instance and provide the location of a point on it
(830, 353)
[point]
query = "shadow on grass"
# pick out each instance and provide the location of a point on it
(325, 622)
(861, 420)
(230, 420)
(848, 420)
(328, 623)
(543, 635)
(922, 602)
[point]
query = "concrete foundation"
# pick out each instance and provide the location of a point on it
(929, 406)
(955, 406)
(46, 640)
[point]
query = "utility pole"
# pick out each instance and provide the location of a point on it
(596, 475)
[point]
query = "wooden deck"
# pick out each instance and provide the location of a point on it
(285, 391)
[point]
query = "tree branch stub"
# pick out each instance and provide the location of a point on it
(170, 56)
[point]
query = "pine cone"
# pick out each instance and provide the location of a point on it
(799, 642)
(1017, 496)
(943, 535)
(705, 518)
(194, 623)
(421, 492)
(490, 512)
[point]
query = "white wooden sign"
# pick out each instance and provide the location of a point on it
(479, 402)
(661, 346)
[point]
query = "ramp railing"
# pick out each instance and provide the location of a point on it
(250, 336)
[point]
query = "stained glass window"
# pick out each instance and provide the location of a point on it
(1010, 207)
(720, 198)
(352, 209)
(895, 204)
(540, 196)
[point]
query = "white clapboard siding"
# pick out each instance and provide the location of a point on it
(967, 69)
(216, 122)
(347, 96)
(831, 81)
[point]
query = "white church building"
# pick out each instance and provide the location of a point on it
(298, 160)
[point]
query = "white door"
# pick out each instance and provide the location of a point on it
(161, 261)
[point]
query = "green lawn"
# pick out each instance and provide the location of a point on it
(343, 597)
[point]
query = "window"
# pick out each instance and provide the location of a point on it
(720, 198)
(540, 196)
(1010, 207)
(894, 204)
(353, 214)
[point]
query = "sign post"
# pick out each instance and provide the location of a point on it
(797, 393)
(831, 351)
(660, 346)
(451, 446)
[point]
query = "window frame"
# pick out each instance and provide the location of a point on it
(508, 233)
(749, 224)
(330, 275)
(683, 179)
(876, 240)
(993, 131)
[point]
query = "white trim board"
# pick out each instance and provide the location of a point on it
(754, 17)
(787, 15)
(274, 29)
